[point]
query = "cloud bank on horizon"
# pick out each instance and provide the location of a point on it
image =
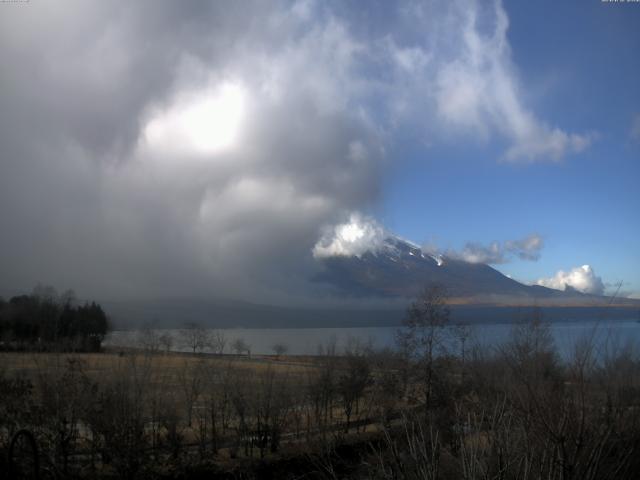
(164, 148)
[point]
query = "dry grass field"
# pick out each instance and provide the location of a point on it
(31, 364)
(94, 410)
(147, 414)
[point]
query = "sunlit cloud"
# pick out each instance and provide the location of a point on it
(202, 122)
(355, 237)
(582, 279)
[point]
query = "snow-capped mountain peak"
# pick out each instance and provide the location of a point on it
(393, 266)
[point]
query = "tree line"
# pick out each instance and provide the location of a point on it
(46, 320)
(429, 409)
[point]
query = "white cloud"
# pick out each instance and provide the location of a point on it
(362, 234)
(581, 278)
(478, 89)
(476, 253)
(353, 238)
(528, 248)
(203, 122)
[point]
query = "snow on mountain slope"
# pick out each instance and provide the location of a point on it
(399, 268)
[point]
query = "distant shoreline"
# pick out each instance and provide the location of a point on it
(306, 341)
(320, 327)
(282, 318)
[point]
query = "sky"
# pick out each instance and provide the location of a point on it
(219, 149)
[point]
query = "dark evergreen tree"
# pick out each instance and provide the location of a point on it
(45, 320)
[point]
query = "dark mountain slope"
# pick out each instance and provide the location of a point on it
(401, 269)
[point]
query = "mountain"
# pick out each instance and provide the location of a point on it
(396, 272)
(401, 269)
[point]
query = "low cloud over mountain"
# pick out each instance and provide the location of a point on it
(528, 248)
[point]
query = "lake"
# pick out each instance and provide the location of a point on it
(607, 335)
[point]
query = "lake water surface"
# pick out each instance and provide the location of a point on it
(607, 336)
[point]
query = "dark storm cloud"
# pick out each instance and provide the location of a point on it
(104, 189)
(86, 203)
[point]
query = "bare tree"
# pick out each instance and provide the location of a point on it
(352, 384)
(280, 349)
(166, 341)
(565, 423)
(148, 338)
(413, 454)
(321, 387)
(387, 389)
(240, 346)
(462, 333)
(195, 337)
(191, 383)
(64, 390)
(218, 342)
(216, 401)
(422, 334)
(116, 416)
(270, 405)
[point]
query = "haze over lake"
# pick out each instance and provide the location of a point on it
(608, 335)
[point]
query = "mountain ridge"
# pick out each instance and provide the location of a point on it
(400, 268)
